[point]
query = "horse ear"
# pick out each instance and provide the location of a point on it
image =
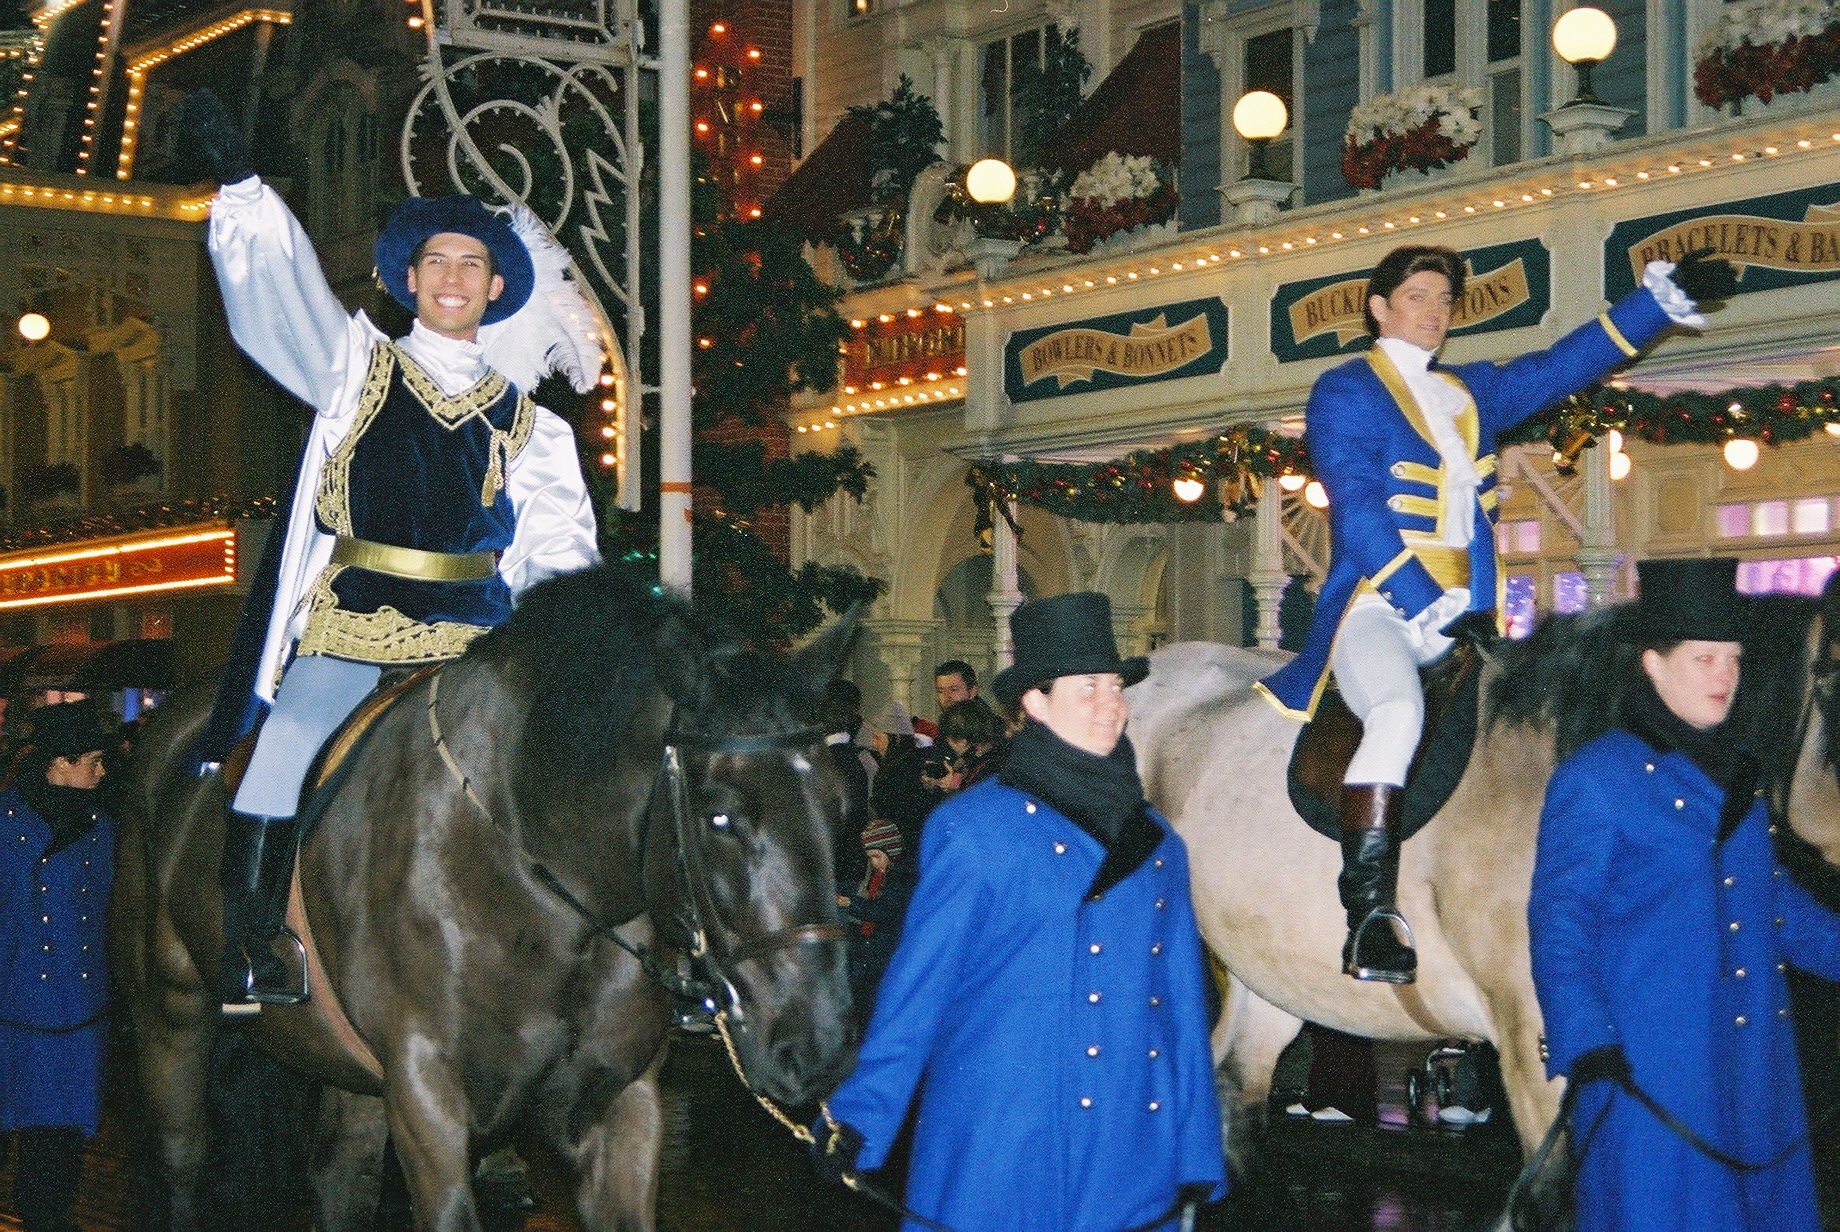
(819, 659)
(682, 661)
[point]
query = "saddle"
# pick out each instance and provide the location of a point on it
(336, 751)
(1328, 742)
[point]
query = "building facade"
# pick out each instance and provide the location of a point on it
(1216, 322)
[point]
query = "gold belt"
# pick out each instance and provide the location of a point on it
(413, 563)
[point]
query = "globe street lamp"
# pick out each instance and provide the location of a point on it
(1258, 116)
(990, 181)
(1584, 38)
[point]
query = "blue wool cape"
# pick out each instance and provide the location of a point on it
(1649, 934)
(1059, 1045)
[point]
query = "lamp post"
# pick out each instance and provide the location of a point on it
(991, 181)
(1258, 117)
(1584, 38)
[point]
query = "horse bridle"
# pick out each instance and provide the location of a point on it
(710, 950)
(706, 975)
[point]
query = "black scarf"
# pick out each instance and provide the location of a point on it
(69, 811)
(1719, 751)
(1101, 795)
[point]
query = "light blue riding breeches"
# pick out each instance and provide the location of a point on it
(317, 694)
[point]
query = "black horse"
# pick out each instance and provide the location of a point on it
(511, 873)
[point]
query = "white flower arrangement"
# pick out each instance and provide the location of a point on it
(1457, 110)
(1768, 22)
(1117, 177)
(1768, 48)
(1419, 127)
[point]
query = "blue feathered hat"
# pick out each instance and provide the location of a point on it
(422, 218)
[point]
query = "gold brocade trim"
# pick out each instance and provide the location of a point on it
(413, 563)
(333, 501)
(382, 636)
(448, 412)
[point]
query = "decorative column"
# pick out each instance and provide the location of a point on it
(1598, 557)
(1005, 594)
(1268, 577)
(1128, 629)
(901, 642)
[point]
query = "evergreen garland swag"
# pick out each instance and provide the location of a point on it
(1138, 487)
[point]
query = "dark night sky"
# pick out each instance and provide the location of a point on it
(13, 15)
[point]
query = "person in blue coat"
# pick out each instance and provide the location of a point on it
(1661, 925)
(57, 857)
(1405, 448)
(1047, 1001)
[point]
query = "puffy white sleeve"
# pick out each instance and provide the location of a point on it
(555, 523)
(1658, 277)
(281, 309)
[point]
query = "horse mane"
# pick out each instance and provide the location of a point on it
(1573, 675)
(1569, 676)
(591, 649)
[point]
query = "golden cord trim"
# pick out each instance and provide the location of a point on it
(383, 636)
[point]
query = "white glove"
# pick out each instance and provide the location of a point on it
(1424, 630)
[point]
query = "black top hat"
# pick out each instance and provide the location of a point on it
(67, 729)
(1694, 600)
(422, 218)
(1068, 635)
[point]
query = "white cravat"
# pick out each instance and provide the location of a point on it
(1441, 402)
(456, 366)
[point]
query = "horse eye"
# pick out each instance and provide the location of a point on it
(719, 820)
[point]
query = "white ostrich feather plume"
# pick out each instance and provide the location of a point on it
(557, 330)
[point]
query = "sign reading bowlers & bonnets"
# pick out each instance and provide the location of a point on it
(1159, 343)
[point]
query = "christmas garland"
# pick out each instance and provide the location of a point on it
(1766, 49)
(1139, 487)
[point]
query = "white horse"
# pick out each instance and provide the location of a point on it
(1214, 756)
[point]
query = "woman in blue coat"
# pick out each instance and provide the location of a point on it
(1405, 447)
(1046, 1001)
(57, 857)
(1661, 925)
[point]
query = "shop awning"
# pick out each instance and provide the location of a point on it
(832, 181)
(133, 663)
(1137, 109)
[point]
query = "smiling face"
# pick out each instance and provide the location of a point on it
(453, 284)
(1418, 310)
(1696, 680)
(1088, 712)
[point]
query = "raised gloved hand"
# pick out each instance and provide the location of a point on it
(1704, 277)
(834, 1152)
(1425, 630)
(212, 138)
(1605, 1063)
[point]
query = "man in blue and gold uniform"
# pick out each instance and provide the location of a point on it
(433, 489)
(57, 859)
(1405, 448)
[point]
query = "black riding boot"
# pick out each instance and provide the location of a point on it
(257, 869)
(1379, 945)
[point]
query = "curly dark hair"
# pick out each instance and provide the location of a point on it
(971, 721)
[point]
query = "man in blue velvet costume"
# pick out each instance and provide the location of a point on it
(1405, 447)
(432, 491)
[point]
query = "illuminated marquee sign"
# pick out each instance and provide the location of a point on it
(172, 559)
(1507, 286)
(904, 350)
(1112, 352)
(1783, 240)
